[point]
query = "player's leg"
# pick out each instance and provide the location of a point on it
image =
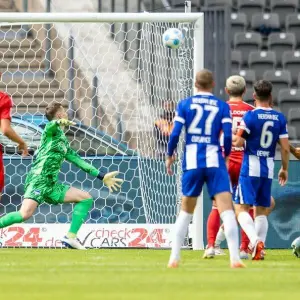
(181, 228)
(213, 225)
(33, 196)
(269, 209)
(220, 236)
(262, 210)
(244, 199)
(245, 241)
(218, 185)
(192, 182)
(84, 202)
(26, 211)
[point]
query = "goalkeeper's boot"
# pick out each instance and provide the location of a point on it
(258, 251)
(237, 265)
(209, 252)
(72, 243)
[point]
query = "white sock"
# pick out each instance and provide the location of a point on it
(231, 233)
(261, 227)
(180, 231)
(220, 236)
(247, 225)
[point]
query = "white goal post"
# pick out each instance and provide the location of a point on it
(115, 95)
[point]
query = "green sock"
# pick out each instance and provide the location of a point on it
(79, 215)
(11, 218)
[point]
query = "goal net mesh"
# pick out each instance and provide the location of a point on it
(121, 85)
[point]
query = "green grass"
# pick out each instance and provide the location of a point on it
(142, 274)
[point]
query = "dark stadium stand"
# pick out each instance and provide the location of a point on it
(266, 44)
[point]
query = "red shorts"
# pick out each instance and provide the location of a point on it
(1, 172)
(234, 169)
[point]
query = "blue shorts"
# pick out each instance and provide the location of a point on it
(254, 191)
(217, 180)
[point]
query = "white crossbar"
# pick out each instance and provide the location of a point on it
(98, 17)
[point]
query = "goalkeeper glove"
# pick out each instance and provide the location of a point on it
(110, 181)
(65, 122)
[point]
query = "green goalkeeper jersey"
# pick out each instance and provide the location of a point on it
(53, 150)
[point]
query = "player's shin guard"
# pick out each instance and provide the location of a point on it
(247, 225)
(261, 227)
(179, 234)
(244, 238)
(10, 219)
(231, 233)
(213, 225)
(79, 215)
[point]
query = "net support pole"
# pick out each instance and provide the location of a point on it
(71, 77)
(48, 41)
(95, 101)
(197, 231)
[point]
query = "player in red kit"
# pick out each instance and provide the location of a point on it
(235, 88)
(5, 119)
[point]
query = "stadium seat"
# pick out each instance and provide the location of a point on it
(248, 96)
(259, 61)
(265, 23)
(294, 120)
(218, 2)
(247, 42)
(251, 7)
(298, 80)
(283, 8)
(292, 24)
(292, 132)
(280, 42)
(288, 99)
(249, 76)
(236, 59)
(280, 80)
(238, 24)
(291, 62)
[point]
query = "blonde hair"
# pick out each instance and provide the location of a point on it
(235, 85)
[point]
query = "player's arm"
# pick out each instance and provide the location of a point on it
(295, 151)
(227, 130)
(108, 178)
(8, 131)
(53, 125)
(243, 131)
(179, 121)
(238, 139)
(285, 153)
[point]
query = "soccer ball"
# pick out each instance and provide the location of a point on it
(296, 247)
(173, 38)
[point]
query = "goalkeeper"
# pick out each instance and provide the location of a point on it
(41, 182)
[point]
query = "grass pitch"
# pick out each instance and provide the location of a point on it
(142, 274)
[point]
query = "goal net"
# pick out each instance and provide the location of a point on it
(121, 86)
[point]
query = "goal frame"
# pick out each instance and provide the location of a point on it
(196, 231)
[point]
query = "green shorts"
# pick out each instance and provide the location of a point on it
(41, 190)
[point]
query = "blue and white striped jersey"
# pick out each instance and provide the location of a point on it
(263, 128)
(204, 117)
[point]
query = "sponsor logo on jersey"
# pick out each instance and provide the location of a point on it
(37, 192)
(239, 112)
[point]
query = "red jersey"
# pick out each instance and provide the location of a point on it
(5, 106)
(238, 110)
(5, 113)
